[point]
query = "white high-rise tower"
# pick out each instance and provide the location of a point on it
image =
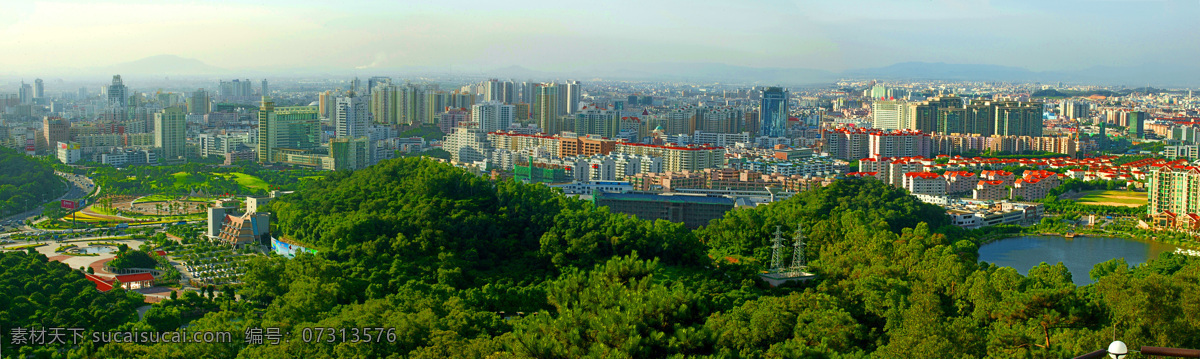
(351, 116)
(492, 116)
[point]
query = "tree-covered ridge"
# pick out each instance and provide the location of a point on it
(449, 259)
(41, 293)
(748, 233)
(25, 182)
(417, 218)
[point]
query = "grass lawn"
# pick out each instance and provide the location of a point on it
(156, 198)
(1122, 197)
(250, 182)
(183, 180)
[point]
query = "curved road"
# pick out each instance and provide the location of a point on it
(78, 188)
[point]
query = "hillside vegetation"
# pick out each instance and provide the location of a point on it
(25, 182)
(448, 259)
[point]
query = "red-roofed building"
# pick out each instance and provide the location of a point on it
(136, 281)
(899, 143)
(1034, 185)
(101, 284)
(990, 190)
(960, 181)
(128, 281)
(876, 175)
(925, 183)
(998, 175)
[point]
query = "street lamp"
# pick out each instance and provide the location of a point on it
(1118, 350)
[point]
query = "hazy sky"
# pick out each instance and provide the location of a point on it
(565, 35)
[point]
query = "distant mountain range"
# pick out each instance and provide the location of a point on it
(164, 65)
(1149, 74)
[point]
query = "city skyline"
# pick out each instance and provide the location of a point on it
(67, 36)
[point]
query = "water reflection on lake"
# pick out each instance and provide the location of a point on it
(1078, 254)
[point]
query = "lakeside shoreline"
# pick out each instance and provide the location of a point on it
(1106, 235)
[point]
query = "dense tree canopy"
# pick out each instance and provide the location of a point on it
(25, 182)
(40, 293)
(462, 267)
(133, 259)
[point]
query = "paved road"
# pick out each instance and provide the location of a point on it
(78, 187)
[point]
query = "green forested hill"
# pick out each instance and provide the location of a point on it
(419, 218)
(25, 183)
(41, 294)
(448, 259)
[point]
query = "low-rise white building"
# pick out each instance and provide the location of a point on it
(586, 188)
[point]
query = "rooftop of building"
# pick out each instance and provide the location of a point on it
(924, 175)
(666, 197)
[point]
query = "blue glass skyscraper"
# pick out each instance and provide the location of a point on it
(773, 114)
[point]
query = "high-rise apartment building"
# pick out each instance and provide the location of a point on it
(492, 90)
(877, 91)
(1137, 124)
(452, 118)
(118, 94)
(600, 122)
(170, 132)
(773, 112)
(1018, 119)
(1075, 110)
(239, 89)
(289, 127)
(508, 92)
(572, 97)
(889, 114)
(54, 130)
(350, 153)
(677, 158)
(434, 104)
(266, 117)
(350, 120)
(1174, 190)
(412, 107)
(546, 107)
(266, 90)
(527, 94)
(492, 116)
(377, 82)
(724, 119)
(326, 103)
(39, 89)
(951, 115)
(467, 144)
(25, 94)
(199, 103)
(899, 143)
(385, 99)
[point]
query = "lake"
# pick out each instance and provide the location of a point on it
(1078, 254)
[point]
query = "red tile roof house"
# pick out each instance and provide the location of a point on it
(128, 281)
